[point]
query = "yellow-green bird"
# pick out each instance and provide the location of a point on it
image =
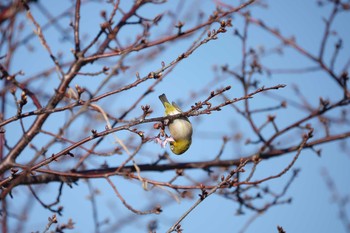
(180, 128)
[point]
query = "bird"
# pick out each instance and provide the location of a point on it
(180, 128)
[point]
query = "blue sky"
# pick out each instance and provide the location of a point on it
(311, 210)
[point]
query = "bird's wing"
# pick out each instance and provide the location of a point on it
(176, 106)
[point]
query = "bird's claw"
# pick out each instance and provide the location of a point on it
(163, 143)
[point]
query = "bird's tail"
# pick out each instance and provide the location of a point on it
(163, 98)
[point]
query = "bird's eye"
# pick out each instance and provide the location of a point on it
(172, 147)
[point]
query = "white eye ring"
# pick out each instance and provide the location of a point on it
(172, 147)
